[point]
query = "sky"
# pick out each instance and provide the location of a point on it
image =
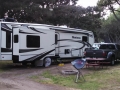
(86, 3)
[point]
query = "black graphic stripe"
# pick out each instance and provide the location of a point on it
(6, 50)
(28, 50)
(20, 51)
(72, 31)
(79, 48)
(5, 26)
(6, 30)
(26, 32)
(26, 25)
(33, 54)
(36, 30)
(63, 46)
(39, 56)
(79, 41)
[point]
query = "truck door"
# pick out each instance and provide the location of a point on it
(15, 44)
(118, 52)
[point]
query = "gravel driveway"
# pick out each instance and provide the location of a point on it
(17, 78)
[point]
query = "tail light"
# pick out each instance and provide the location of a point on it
(104, 53)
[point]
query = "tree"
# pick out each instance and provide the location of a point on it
(110, 5)
(111, 29)
(25, 10)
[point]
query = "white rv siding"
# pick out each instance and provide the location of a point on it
(6, 53)
(72, 40)
(47, 41)
(68, 42)
(0, 40)
(46, 44)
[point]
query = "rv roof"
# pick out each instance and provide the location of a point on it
(71, 29)
(52, 27)
(35, 24)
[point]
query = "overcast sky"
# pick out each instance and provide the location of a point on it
(86, 3)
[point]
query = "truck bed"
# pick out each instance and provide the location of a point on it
(95, 53)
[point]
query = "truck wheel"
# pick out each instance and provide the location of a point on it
(112, 61)
(47, 62)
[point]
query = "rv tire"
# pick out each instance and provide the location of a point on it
(47, 62)
(33, 64)
(24, 63)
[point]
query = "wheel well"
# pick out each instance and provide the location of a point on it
(113, 56)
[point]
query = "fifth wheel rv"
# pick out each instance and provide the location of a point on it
(40, 44)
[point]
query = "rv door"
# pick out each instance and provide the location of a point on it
(15, 47)
(57, 36)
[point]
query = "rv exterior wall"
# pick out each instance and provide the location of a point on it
(46, 44)
(70, 43)
(0, 41)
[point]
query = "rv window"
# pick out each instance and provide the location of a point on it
(67, 51)
(33, 41)
(84, 38)
(56, 38)
(15, 38)
(8, 39)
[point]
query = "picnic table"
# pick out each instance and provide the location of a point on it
(96, 62)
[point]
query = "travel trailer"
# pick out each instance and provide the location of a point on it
(40, 44)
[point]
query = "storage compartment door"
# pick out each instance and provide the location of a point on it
(15, 53)
(75, 52)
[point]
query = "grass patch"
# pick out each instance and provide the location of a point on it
(104, 79)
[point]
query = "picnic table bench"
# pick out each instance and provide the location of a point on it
(98, 62)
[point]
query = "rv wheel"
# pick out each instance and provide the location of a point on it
(47, 62)
(24, 63)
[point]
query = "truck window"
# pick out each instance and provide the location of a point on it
(107, 46)
(111, 46)
(118, 47)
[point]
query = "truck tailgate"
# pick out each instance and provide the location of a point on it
(95, 53)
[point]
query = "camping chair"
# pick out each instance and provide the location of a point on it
(79, 64)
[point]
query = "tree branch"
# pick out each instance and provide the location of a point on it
(111, 8)
(117, 2)
(116, 10)
(114, 13)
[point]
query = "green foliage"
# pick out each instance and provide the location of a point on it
(111, 29)
(77, 17)
(68, 81)
(38, 11)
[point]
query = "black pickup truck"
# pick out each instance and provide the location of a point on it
(110, 52)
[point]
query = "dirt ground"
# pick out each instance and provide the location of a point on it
(17, 77)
